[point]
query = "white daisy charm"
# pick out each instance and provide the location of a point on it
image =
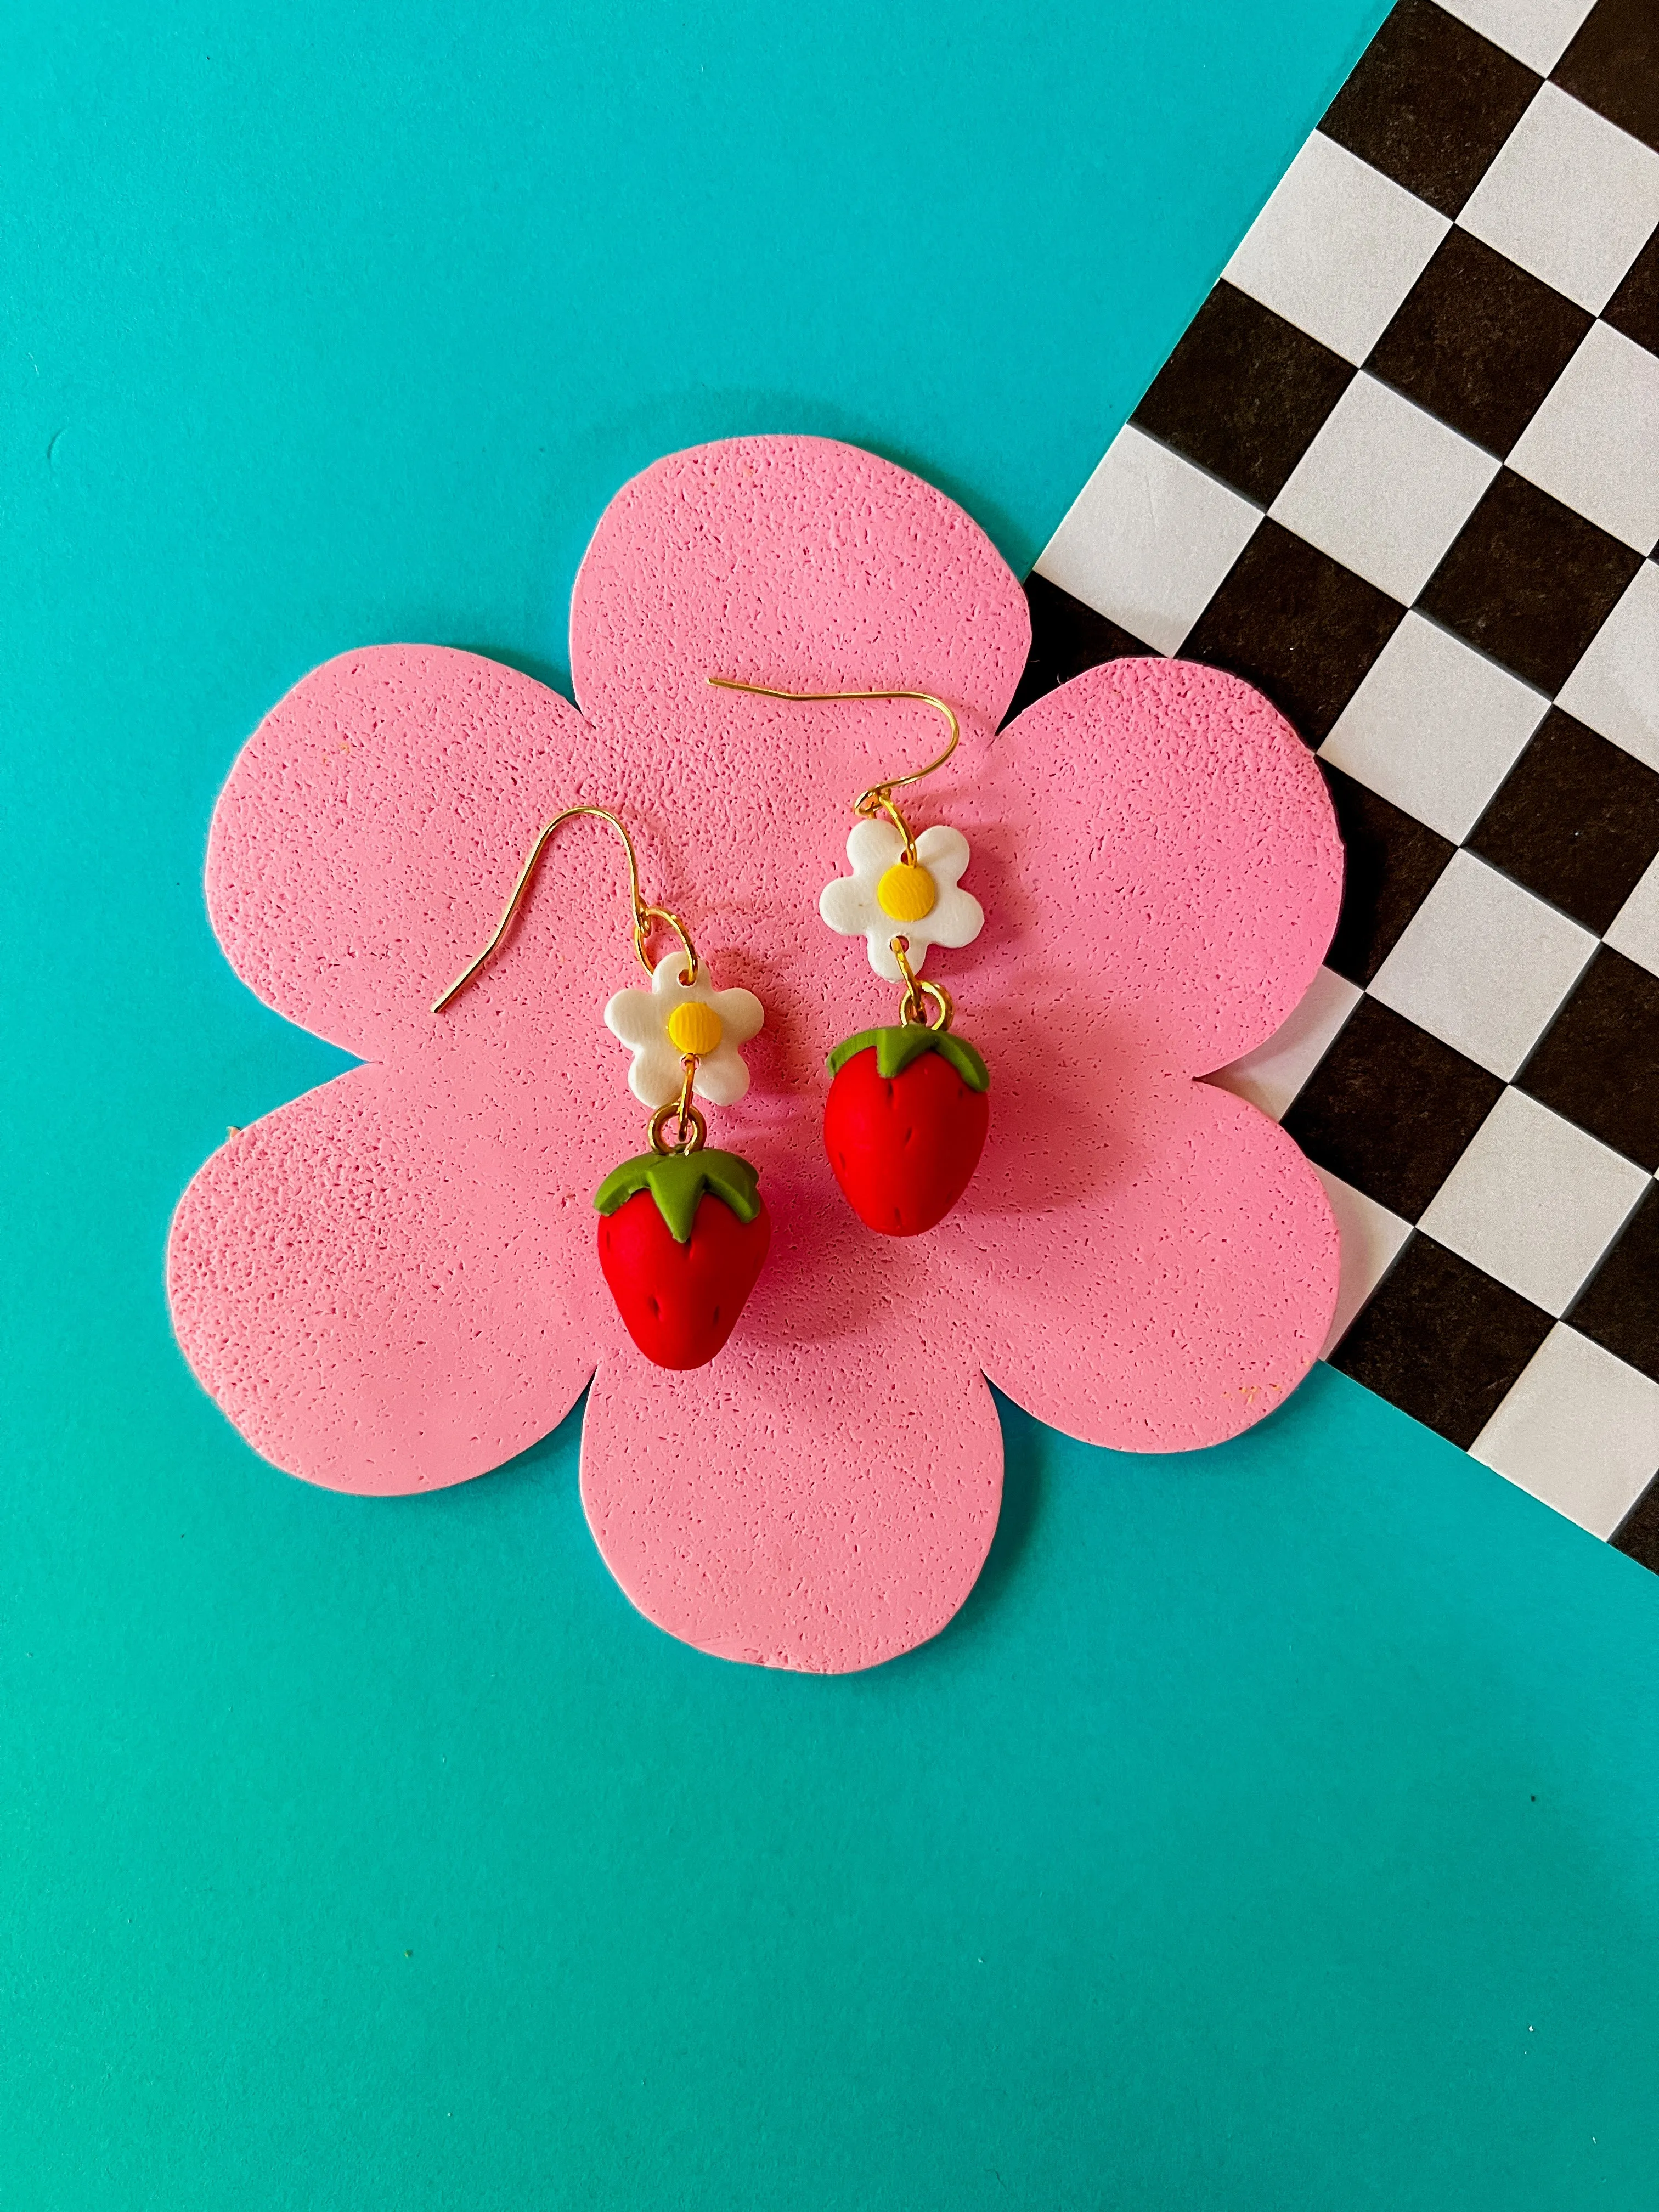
(885, 897)
(660, 1026)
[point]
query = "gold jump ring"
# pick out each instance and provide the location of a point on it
(916, 988)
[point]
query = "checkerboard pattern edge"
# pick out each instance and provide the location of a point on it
(1402, 473)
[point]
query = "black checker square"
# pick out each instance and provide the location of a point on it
(1576, 820)
(1613, 65)
(1429, 104)
(1391, 1108)
(1638, 1533)
(1296, 624)
(1529, 582)
(1244, 394)
(1066, 637)
(1633, 309)
(1442, 1341)
(1392, 862)
(1618, 1309)
(1598, 1062)
(1479, 342)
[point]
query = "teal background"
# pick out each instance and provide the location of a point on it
(1274, 1828)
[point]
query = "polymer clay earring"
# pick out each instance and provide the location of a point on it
(908, 1106)
(684, 1230)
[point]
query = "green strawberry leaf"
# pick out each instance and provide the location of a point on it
(677, 1181)
(898, 1048)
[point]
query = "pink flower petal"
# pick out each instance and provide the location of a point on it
(381, 1291)
(365, 843)
(795, 1509)
(1171, 1286)
(1159, 830)
(810, 566)
(795, 562)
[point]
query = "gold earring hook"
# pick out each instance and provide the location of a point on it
(878, 799)
(645, 917)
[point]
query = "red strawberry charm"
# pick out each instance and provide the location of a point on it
(683, 1237)
(904, 1124)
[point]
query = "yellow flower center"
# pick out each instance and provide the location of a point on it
(905, 891)
(694, 1027)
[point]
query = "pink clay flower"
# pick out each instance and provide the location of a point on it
(392, 1283)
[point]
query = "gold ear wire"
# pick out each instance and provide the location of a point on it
(878, 799)
(645, 917)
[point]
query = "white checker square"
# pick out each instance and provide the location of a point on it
(1271, 1076)
(1570, 196)
(1384, 488)
(1635, 931)
(1594, 444)
(1536, 31)
(1435, 727)
(1483, 965)
(1616, 687)
(1337, 248)
(1534, 1200)
(1148, 539)
(1372, 1239)
(1578, 1429)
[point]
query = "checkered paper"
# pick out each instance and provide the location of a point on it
(1402, 473)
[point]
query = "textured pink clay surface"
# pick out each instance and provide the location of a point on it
(391, 1283)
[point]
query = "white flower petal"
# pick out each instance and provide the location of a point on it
(635, 1017)
(656, 1074)
(944, 853)
(872, 846)
(741, 1013)
(723, 1076)
(665, 981)
(957, 919)
(849, 905)
(881, 952)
